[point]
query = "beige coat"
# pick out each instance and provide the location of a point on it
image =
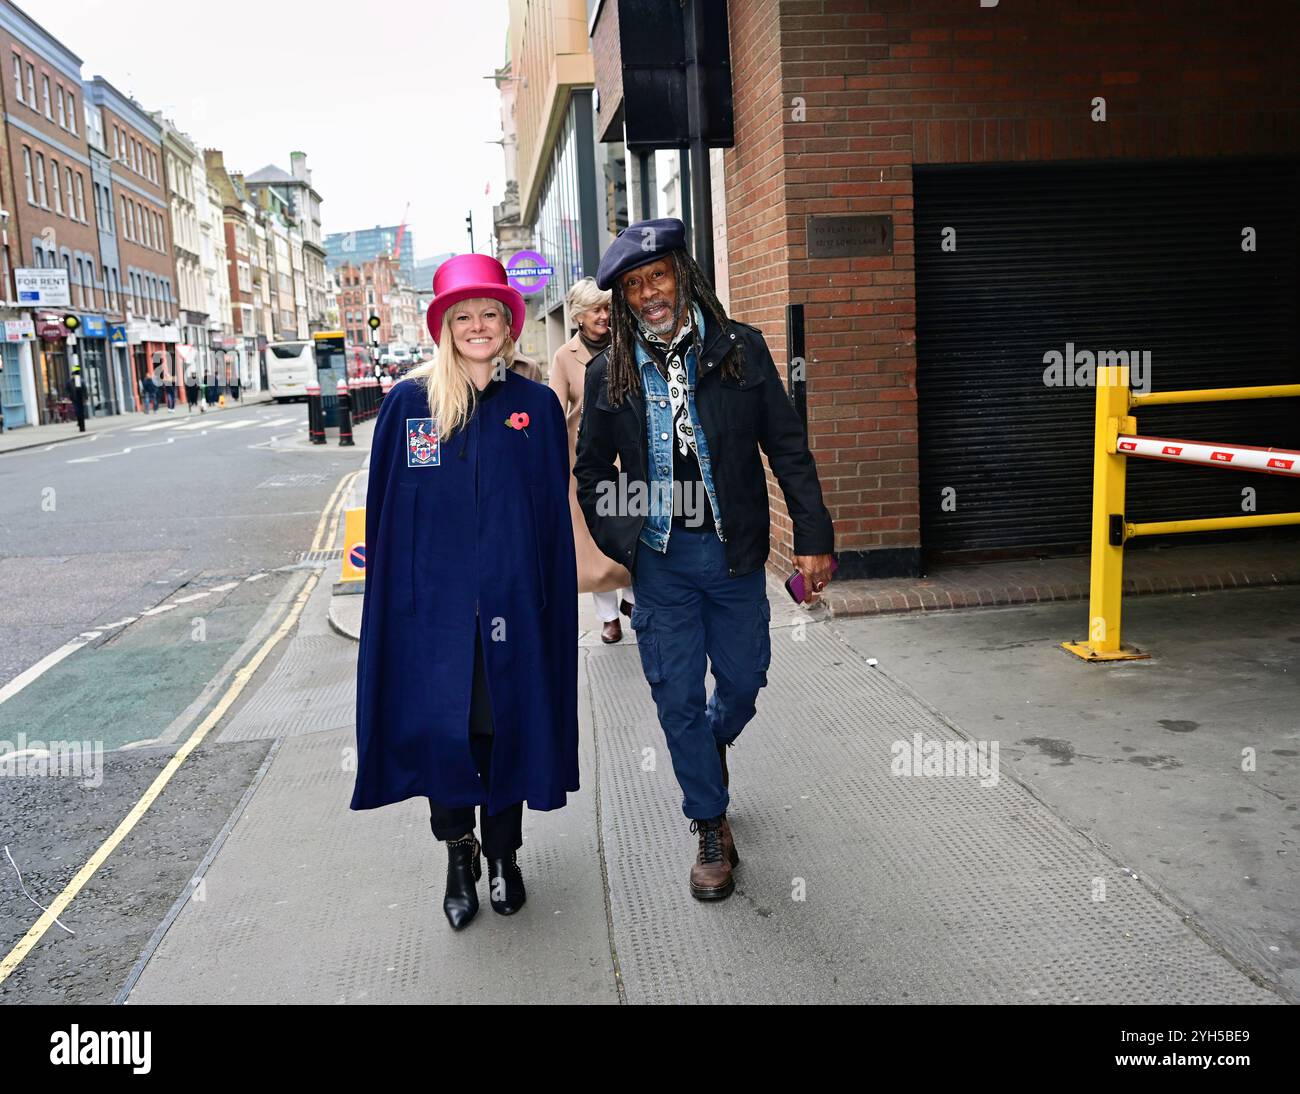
(597, 572)
(527, 368)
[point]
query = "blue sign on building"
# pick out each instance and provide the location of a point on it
(117, 334)
(94, 326)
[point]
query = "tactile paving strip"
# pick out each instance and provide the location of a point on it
(922, 890)
(310, 902)
(311, 689)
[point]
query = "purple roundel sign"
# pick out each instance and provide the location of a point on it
(528, 272)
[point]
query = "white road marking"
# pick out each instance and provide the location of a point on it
(37, 670)
(223, 588)
(119, 623)
(151, 428)
(196, 596)
(158, 610)
(235, 425)
(256, 577)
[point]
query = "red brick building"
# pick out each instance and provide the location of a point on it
(1044, 178)
(133, 141)
(46, 190)
(366, 290)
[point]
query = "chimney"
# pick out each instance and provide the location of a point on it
(298, 166)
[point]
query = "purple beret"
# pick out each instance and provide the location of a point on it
(638, 244)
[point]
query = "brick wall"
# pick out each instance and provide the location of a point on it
(889, 84)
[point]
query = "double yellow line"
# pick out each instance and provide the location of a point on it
(328, 520)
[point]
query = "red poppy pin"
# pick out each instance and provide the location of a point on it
(518, 420)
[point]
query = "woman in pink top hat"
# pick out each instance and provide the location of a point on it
(467, 671)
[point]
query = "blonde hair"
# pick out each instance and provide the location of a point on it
(446, 379)
(583, 296)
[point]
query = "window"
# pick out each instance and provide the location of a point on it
(27, 174)
(67, 178)
(31, 87)
(139, 225)
(81, 299)
(58, 197)
(40, 182)
(126, 218)
(45, 96)
(72, 113)
(18, 78)
(81, 198)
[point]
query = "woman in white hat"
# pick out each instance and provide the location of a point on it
(607, 581)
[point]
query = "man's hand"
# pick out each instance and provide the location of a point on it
(816, 570)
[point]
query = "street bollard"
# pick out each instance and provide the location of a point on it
(345, 415)
(315, 430)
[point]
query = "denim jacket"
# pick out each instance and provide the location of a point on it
(659, 426)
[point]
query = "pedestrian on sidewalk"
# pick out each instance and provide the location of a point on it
(209, 387)
(192, 390)
(467, 668)
(76, 391)
(168, 384)
(608, 581)
(149, 390)
(706, 388)
(234, 388)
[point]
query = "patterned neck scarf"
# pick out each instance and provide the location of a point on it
(673, 356)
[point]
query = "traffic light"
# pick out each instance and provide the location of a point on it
(72, 323)
(374, 322)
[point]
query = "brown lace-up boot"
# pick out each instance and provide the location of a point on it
(711, 874)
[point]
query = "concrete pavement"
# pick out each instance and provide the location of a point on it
(859, 881)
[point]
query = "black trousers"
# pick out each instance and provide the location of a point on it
(500, 834)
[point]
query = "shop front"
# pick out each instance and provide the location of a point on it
(92, 352)
(52, 371)
(17, 394)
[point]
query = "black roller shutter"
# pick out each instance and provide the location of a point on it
(1108, 256)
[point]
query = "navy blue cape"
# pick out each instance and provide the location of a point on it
(479, 520)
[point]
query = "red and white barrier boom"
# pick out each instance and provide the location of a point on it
(1115, 439)
(1272, 461)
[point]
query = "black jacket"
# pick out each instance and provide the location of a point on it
(737, 416)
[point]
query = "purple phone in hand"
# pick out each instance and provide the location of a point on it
(794, 584)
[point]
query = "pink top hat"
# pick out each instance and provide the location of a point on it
(466, 277)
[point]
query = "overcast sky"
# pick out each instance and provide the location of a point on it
(386, 97)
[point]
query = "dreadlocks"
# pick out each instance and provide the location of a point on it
(622, 376)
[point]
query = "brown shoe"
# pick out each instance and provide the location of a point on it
(711, 874)
(729, 843)
(611, 632)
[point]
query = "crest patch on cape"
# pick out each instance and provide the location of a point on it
(422, 448)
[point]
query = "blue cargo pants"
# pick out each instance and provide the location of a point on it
(688, 608)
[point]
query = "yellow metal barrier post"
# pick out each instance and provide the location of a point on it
(1105, 592)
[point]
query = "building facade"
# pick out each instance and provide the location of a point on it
(561, 176)
(364, 244)
(49, 226)
(179, 159)
(144, 238)
(950, 194)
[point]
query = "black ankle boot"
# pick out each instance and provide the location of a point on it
(506, 885)
(464, 868)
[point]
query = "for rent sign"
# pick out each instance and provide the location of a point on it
(42, 288)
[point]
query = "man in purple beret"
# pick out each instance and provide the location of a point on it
(685, 397)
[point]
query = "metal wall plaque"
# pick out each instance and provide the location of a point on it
(850, 236)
